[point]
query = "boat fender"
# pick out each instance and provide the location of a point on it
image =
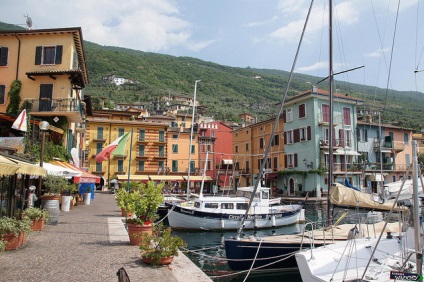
(222, 223)
(273, 221)
(255, 222)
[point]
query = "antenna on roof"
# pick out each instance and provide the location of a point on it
(28, 22)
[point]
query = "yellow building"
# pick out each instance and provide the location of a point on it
(147, 146)
(419, 137)
(50, 64)
(249, 146)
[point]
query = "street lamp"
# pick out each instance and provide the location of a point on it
(44, 126)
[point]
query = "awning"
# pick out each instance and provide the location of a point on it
(133, 177)
(385, 151)
(198, 178)
(271, 175)
(347, 152)
(29, 169)
(227, 162)
(166, 178)
(7, 167)
(85, 177)
(377, 177)
(61, 171)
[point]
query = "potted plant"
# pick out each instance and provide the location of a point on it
(14, 231)
(38, 218)
(160, 247)
(67, 192)
(3, 244)
(144, 200)
(87, 195)
(124, 201)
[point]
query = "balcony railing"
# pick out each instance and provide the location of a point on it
(388, 145)
(69, 107)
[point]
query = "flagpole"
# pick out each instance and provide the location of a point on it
(129, 161)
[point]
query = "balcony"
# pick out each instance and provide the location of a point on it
(100, 138)
(150, 155)
(71, 108)
(388, 146)
(352, 168)
(150, 140)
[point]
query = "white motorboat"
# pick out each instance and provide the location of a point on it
(227, 212)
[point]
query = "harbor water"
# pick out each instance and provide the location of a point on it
(206, 249)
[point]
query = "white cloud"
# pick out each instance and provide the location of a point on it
(266, 22)
(313, 67)
(377, 53)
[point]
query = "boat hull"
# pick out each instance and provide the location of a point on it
(182, 218)
(271, 255)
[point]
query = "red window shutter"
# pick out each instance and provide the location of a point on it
(296, 135)
(295, 160)
(285, 137)
(284, 116)
(285, 161)
(309, 133)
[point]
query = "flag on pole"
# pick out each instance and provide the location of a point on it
(21, 122)
(117, 147)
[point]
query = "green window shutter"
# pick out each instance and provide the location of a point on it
(38, 52)
(59, 51)
(2, 93)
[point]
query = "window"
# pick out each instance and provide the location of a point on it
(46, 97)
(362, 135)
(290, 160)
(48, 55)
(2, 93)
(407, 159)
(192, 166)
(99, 147)
(261, 143)
(141, 150)
(120, 165)
(275, 163)
(140, 166)
(212, 133)
(161, 136)
(174, 166)
(325, 136)
(346, 116)
(174, 148)
(99, 132)
(289, 115)
(236, 149)
(247, 147)
(227, 206)
(325, 113)
(4, 51)
(289, 136)
(193, 149)
(242, 206)
(99, 167)
(211, 205)
(175, 136)
(302, 111)
(161, 151)
(406, 138)
(121, 132)
(141, 135)
(303, 134)
(276, 140)
(160, 164)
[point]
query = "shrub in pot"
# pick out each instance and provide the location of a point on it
(160, 247)
(38, 217)
(14, 231)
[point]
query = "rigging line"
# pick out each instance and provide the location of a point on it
(391, 54)
(277, 118)
(416, 38)
(322, 35)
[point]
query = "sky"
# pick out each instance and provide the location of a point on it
(384, 36)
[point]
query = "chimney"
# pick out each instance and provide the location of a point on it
(368, 118)
(314, 89)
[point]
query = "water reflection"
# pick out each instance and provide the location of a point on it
(206, 249)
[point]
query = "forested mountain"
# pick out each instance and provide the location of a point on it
(225, 91)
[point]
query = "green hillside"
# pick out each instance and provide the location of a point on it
(225, 91)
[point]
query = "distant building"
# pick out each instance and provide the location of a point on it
(117, 80)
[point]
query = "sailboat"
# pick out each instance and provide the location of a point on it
(372, 258)
(277, 252)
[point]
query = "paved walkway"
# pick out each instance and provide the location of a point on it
(89, 243)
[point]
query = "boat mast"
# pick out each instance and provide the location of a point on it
(330, 130)
(416, 212)
(191, 140)
(274, 129)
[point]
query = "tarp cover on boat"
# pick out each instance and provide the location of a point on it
(341, 195)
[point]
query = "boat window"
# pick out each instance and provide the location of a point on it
(265, 195)
(242, 206)
(211, 205)
(197, 205)
(227, 206)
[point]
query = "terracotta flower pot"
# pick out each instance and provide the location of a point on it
(38, 225)
(163, 261)
(13, 242)
(135, 231)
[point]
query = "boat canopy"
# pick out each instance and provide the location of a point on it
(341, 195)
